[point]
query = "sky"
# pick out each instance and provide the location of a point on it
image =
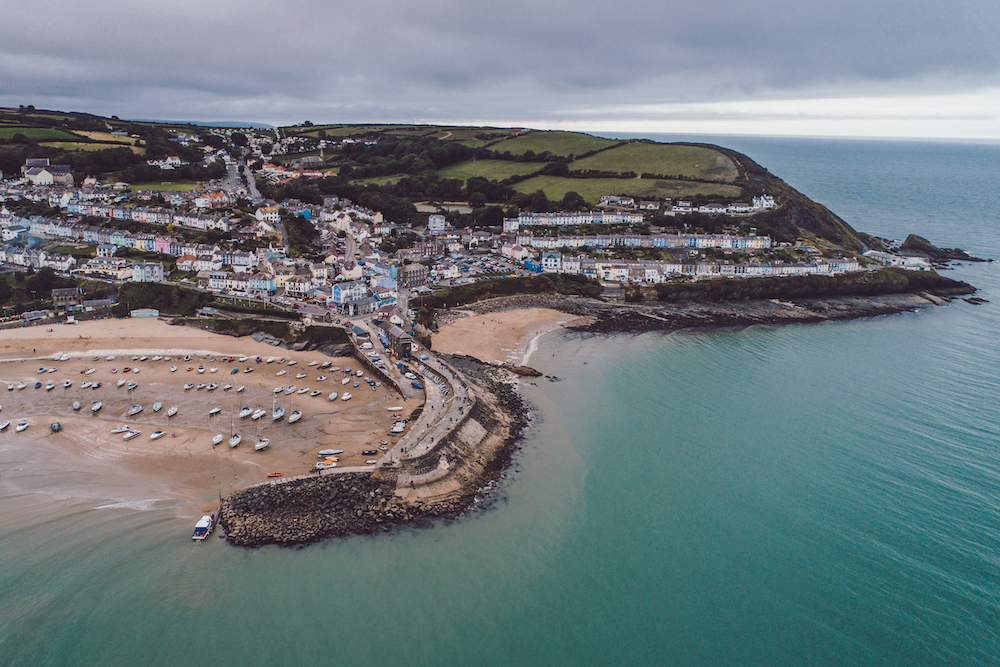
(904, 68)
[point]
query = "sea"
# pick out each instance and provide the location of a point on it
(821, 494)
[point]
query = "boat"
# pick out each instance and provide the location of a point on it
(345, 380)
(201, 385)
(77, 405)
(143, 358)
(121, 429)
(173, 369)
(303, 390)
(126, 369)
(110, 358)
(239, 389)
(261, 443)
(227, 387)
(313, 363)
(315, 392)
(186, 387)
(41, 369)
(134, 410)
(368, 452)
(235, 439)
(131, 434)
(360, 373)
(270, 360)
(187, 357)
(215, 411)
(323, 465)
(281, 372)
(213, 369)
(397, 428)
(243, 358)
(346, 397)
(135, 370)
(330, 452)
(157, 406)
(275, 474)
(90, 371)
(278, 390)
(278, 412)
(217, 439)
(248, 369)
(86, 385)
(172, 411)
(50, 386)
(325, 364)
(201, 369)
(4, 425)
(245, 412)
(332, 396)
(156, 435)
(114, 371)
(290, 390)
(371, 462)
(292, 362)
(38, 385)
(203, 528)
(321, 378)
(299, 376)
(21, 385)
(211, 387)
(64, 357)
(395, 408)
(52, 370)
(357, 384)
(132, 385)
(234, 371)
(157, 358)
(96, 385)
(55, 426)
(121, 382)
(96, 406)
(257, 414)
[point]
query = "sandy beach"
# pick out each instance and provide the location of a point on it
(505, 336)
(184, 458)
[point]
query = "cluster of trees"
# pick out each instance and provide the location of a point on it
(302, 235)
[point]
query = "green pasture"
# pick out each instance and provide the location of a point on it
(665, 159)
(556, 142)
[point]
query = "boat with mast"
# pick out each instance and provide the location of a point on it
(294, 415)
(277, 411)
(234, 438)
(262, 443)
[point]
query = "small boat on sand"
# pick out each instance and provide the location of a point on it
(50, 386)
(121, 429)
(96, 406)
(282, 372)
(157, 406)
(245, 412)
(330, 452)
(332, 396)
(262, 443)
(257, 414)
(156, 435)
(299, 376)
(121, 382)
(235, 440)
(172, 411)
(315, 392)
(217, 439)
(77, 405)
(275, 474)
(134, 410)
(21, 385)
(186, 387)
(214, 411)
(4, 425)
(294, 417)
(131, 434)
(346, 397)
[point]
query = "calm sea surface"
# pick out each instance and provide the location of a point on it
(803, 495)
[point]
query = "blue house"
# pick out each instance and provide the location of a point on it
(533, 265)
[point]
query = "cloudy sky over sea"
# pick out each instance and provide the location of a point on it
(849, 67)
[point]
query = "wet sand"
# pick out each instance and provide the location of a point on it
(184, 460)
(499, 337)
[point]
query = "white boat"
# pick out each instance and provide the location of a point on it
(156, 435)
(227, 387)
(345, 380)
(213, 369)
(304, 390)
(51, 370)
(278, 390)
(395, 408)
(143, 358)
(110, 358)
(214, 411)
(243, 358)
(257, 414)
(397, 428)
(299, 376)
(173, 369)
(50, 386)
(77, 405)
(270, 360)
(211, 387)
(321, 378)
(294, 417)
(290, 390)
(96, 385)
(235, 440)
(67, 384)
(332, 396)
(131, 434)
(135, 370)
(157, 358)
(217, 439)
(323, 465)
(157, 406)
(313, 363)
(201, 369)
(134, 410)
(96, 406)
(278, 413)
(186, 387)
(21, 385)
(315, 392)
(172, 411)
(201, 385)
(64, 357)
(360, 373)
(371, 462)
(90, 371)
(239, 389)
(203, 528)
(132, 385)
(262, 443)
(330, 452)
(4, 425)
(346, 397)
(245, 412)
(86, 385)
(121, 382)
(121, 429)
(292, 362)
(281, 372)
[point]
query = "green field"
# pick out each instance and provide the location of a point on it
(555, 142)
(166, 186)
(382, 180)
(592, 189)
(75, 146)
(494, 170)
(37, 133)
(665, 159)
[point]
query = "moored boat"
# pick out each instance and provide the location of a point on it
(4, 425)
(245, 412)
(131, 434)
(330, 452)
(214, 411)
(275, 474)
(156, 435)
(172, 411)
(278, 413)
(294, 417)
(332, 396)
(157, 406)
(235, 439)
(21, 385)
(96, 406)
(217, 439)
(261, 444)
(346, 397)
(257, 414)
(77, 405)
(50, 386)
(134, 410)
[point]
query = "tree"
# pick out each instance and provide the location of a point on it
(477, 199)
(239, 139)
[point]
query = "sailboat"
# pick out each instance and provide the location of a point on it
(173, 408)
(261, 443)
(295, 415)
(278, 412)
(157, 406)
(96, 406)
(234, 438)
(135, 409)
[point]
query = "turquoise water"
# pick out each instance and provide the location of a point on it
(807, 495)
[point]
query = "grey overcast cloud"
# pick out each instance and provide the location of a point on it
(847, 67)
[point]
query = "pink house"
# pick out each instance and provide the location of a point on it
(161, 244)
